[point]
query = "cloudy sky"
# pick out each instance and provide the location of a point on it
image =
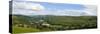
(59, 9)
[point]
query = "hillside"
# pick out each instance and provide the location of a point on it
(55, 22)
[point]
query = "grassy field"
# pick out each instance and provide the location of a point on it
(24, 30)
(56, 23)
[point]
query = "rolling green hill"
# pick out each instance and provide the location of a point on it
(55, 23)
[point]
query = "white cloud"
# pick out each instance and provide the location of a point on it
(60, 13)
(68, 13)
(90, 10)
(26, 8)
(37, 9)
(86, 12)
(25, 5)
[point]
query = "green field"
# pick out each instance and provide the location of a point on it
(26, 24)
(25, 30)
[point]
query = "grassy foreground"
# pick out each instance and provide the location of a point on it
(24, 30)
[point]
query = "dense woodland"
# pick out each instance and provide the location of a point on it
(40, 23)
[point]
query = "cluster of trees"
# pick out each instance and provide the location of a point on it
(55, 22)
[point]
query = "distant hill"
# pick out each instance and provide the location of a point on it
(55, 19)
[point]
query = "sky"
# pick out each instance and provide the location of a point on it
(86, 2)
(47, 8)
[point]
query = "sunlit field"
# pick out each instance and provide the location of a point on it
(39, 23)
